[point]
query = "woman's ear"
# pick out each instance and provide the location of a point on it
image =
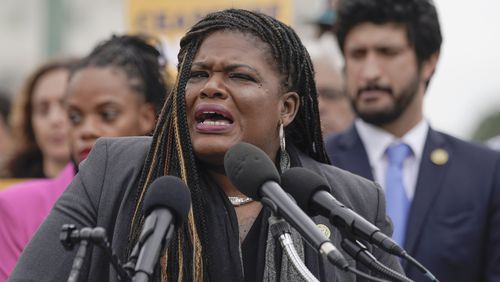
(290, 103)
(147, 118)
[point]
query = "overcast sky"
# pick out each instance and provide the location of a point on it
(466, 86)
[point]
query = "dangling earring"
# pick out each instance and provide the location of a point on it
(284, 158)
(282, 138)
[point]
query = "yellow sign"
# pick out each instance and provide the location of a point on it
(172, 18)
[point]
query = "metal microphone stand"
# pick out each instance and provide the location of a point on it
(70, 236)
(280, 230)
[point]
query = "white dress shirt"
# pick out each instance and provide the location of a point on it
(376, 141)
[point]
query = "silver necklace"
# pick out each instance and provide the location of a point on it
(284, 165)
(239, 201)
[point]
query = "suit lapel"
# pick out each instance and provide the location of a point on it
(430, 178)
(351, 154)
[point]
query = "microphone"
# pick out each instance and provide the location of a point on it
(166, 205)
(313, 195)
(255, 175)
(360, 253)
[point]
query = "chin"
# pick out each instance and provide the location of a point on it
(211, 153)
(61, 156)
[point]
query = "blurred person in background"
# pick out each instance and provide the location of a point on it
(334, 105)
(117, 90)
(39, 124)
(443, 194)
(5, 132)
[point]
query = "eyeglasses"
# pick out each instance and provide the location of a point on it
(331, 93)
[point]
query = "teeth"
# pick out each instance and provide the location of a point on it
(212, 122)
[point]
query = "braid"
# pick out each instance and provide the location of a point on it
(172, 153)
(143, 64)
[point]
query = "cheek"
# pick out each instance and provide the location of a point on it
(191, 90)
(351, 80)
(260, 117)
(124, 126)
(189, 98)
(401, 81)
(73, 136)
(39, 125)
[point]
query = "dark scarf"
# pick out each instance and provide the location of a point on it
(222, 255)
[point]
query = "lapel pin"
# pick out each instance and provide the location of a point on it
(324, 229)
(439, 157)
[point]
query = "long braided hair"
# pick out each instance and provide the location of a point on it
(171, 151)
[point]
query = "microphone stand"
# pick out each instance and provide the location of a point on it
(360, 253)
(70, 236)
(274, 208)
(80, 256)
(141, 264)
(280, 230)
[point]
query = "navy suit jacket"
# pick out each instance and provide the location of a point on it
(454, 222)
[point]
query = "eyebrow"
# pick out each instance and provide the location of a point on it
(227, 67)
(99, 106)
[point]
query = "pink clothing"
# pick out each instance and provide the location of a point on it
(23, 207)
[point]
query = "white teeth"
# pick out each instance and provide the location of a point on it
(211, 122)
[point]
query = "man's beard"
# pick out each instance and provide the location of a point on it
(393, 112)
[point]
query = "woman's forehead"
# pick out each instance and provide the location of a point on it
(228, 43)
(233, 34)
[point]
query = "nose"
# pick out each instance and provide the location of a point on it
(88, 130)
(214, 87)
(371, 69)
(57, 115)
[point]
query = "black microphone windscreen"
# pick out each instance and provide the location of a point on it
(302, 184)
(169, 192)
(248, 168)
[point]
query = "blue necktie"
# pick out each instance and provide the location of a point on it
(398, 203)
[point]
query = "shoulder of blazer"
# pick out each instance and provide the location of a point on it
(354, 191)
(114, 156)
(130, 149)
(458, 147)
(343, 140)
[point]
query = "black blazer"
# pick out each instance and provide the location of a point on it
(103, 194)
(454, 221)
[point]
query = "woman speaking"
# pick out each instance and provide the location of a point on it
(242, 77)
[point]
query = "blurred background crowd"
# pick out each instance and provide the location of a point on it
(463, 99)
(464, 93)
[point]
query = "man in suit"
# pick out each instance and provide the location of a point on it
(447, 212)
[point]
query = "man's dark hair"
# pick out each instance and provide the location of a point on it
(418, 16)
(142, 62)
(171, 151)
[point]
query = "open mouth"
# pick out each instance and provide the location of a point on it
(213, 118)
